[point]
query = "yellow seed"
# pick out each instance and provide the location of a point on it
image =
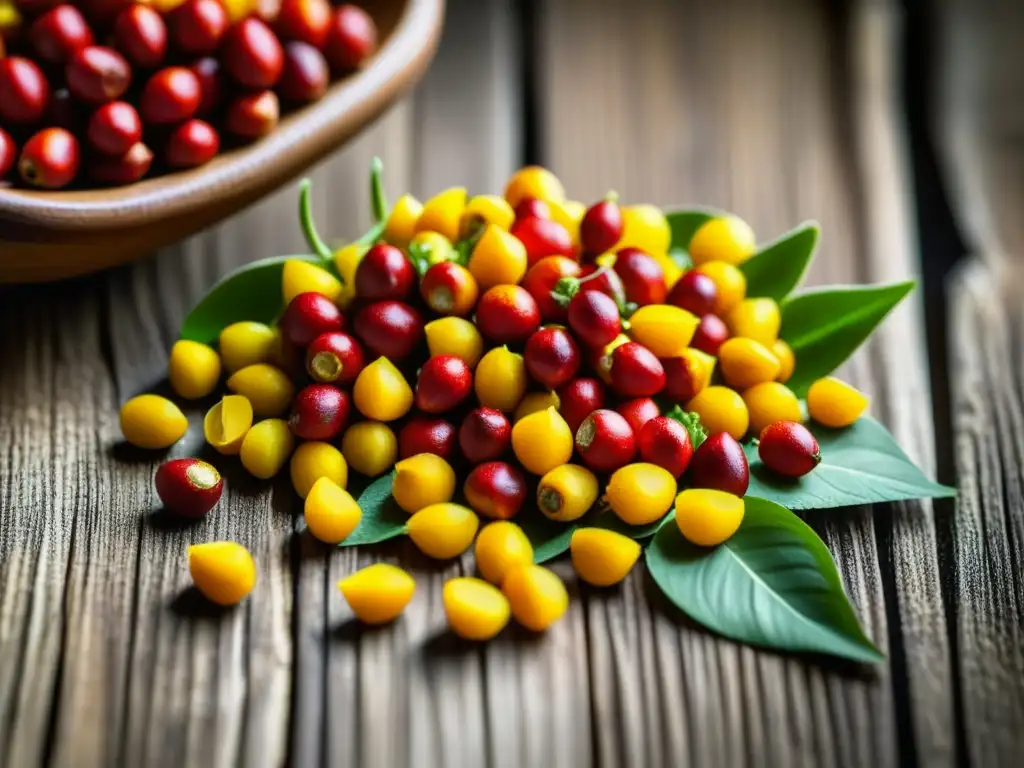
(501, 546)
(663, 329)
(455, 336)
(488, 209)
(645, 227)
(151, 421)
(787, 360)
(437, 247)
(730, 285)
(728, 239)
(602, 557)
(401, 224)
(370, 448)
(268, 388)
(330, 512)
(193, 368)
(641, 493)
(500, 380)
(706, 517)
(314, 460)
(569, 214)
(757, 319)
(422, 480)
(237, 9)
(246, 343)
(534, 181)
(378, 593)
(301, 276)
(536, 401)
(498, 258)
(835, 403)
(266, 448)
(226, 424)
(542, 441)
(475, 609)
(745, 362)
(381, 392)
(567, 492)
(346, 261)
(721, 410)
(223, 571)
(443, 212)
(443, 531)
(537, 596)
(770, 402)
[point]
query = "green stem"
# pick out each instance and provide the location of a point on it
(318, 246)
(377, 195)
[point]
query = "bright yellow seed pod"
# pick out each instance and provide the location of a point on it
(645, 227)
(745, 362)
(663, 329)
(455, 336)
(193, 369)
(770, 402)
(672, 270)
(542, 441)
(401, 224)
(268, 388)
(422, 480)
(604, 362)
(730, 285)
(500, 547)
(330, 512)
(437, 247)
(728, 239)
(640, 493)
(567, 492)
(534, 181)
(498, 258)
(378, 593)
(226, 424)
(569, 214)
(223, 571)
(266, 447)
(233, 6)
(707, 518)
(489, 209)
(721, 410)
(443, 531)
(757, 319)
(247, 343)
(237, 9)
(314, 460)
(535, 402)
(500, 379)
(835, 403)
(537, 596)
(602, 557)
(10, 17)
(475, 609)
(346, 261)
(443, 212)
(787, 360)
(381, 392)
(370, 448)
(153, 422)
(301, 276)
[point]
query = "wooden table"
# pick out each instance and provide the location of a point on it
(780, 111)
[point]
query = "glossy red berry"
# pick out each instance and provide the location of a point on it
(319, 412)
(384, 273)
(601, 227)
(507, 314)
(541, 280)
(496, 490)
(444, 382)
(96, 75)
(665, 442)
(543, 237)
(49, 159)
(8, 153)
(114, 128)
(191, 144)
(198, 26)
(695, 292)
(578, 399)
(605, 441)
(532, 207)
(594, 318)
(141, 35)
(252, 54)
(427, 435)
(121, 169)
(389, 328)
(351, 38)
(305, 20)
(172, 95)
(253, 115)
(58, 33)
(334, 357)
(636, 371)
(710, 334)
(305, 75)
(638, 412)
(683, 378)
(720, 464)
(188, 487)
(449, 289)
(24, 91)
(607, 281)
(307, 316)
(788, 449)
(485, 435)
(642, 277)
(211, 84)
(552, 357)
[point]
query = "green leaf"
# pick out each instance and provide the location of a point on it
(378, 198)
(824, 326)
(860, 464)
(777, 268)
(684, 224)
(772, 584)
(680, 257)
(691, 421)
(382, 518)
(610, 521)
(549, 538)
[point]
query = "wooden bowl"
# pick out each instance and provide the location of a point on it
(52, 235)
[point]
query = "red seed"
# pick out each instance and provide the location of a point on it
(578, 399)
(484, 435)
(307, 316)
(188, 487)
(695, 292)
(191, 144)
(49, 159)
(507, 314)
(351, 38)
(601, 227)
(334, 357)
(681, 379)
(443, 383)
(425, 435)
(642, 277)
(788, 449)
(607, 281)
(594, 318)
(96, 75)
(253, 55)
(305, 75)
(496, 490)
(319, 412)
(58, 33)
(384, 273)
(543, 237)
(710, 334)
(305, 20)
(605, 441)
(540, 281)
(720, 464)
(665, 442)
(636, 372)
(638, 412)
(172, 95)
(253, 115)
(449, 289)
(532, 207)
(114, 128)
(389, 328)
(141, 35)
(24, 91)
(198, 26)
(552, 357)
(211, 84)
(8, 153)
(126, 169)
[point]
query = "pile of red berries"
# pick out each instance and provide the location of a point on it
(100, 91)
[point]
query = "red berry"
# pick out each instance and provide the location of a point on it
(594, 318)
(252, 54)
(484, 435)
(198, 26)
(552, 357)
(114, 128)
(601, 227)
(24, 91)
(307, 316)
(720, 464)
(211, 83)
(695, 292)
(507, 314)
(449, 289)
(8, 153)
(351, 38)
(496, 490)
(384, 273)
(665, 442)
(443, 383)
(531, 207)
(788, 449)
(682, 381)
(188, 487)
(305, 20)
(172, 95)
(305, 75)
(389, 328)
(578, 399)
(605, 441)
(607, 281)
(543, 237)
(253, 115)
(123, 169)
(540, 281)
(141, 35)
(642, 277)
(49, 159)
(334, 357)
(191, 144)
(319, 412)
(636, 372)
(710, 334)
(638, 412)
(58, 33)
(424, 435)
(96, 75)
